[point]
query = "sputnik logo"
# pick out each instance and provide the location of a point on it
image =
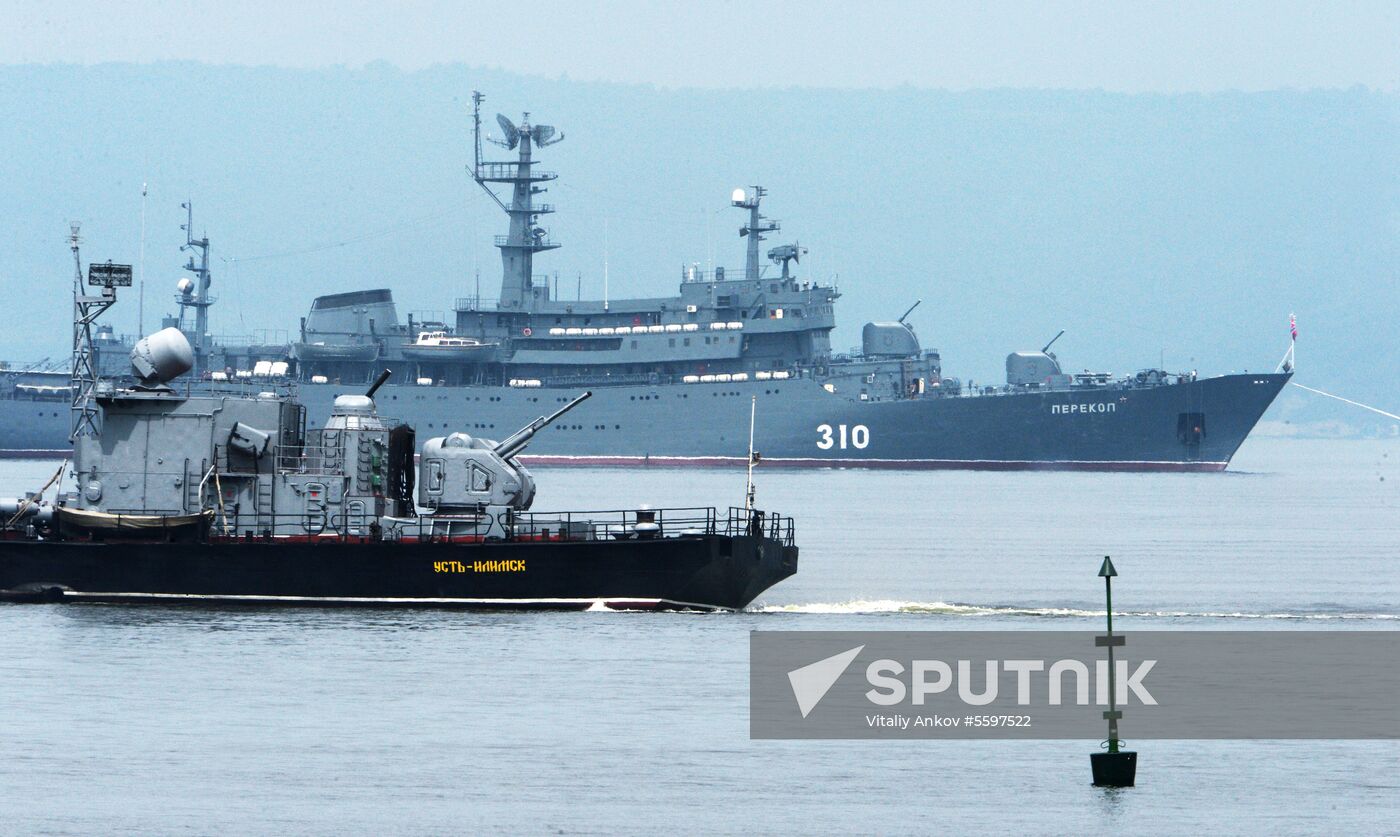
(811, 682)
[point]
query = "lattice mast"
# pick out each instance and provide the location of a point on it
(86, 419)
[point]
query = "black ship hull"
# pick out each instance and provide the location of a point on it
(703, 572)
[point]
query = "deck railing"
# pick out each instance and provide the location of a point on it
(230, 524)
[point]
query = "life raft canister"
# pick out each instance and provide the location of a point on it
(526, 331)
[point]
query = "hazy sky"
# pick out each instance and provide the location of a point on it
(1132, 47)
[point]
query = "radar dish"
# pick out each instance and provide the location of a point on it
(512, 134)
(542, 134)
(739, 196)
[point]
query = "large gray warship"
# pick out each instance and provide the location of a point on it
(674, 376)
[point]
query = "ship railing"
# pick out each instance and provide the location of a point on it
(603, 380)
(617, 524)
(510, 171)
(690, 273)
(261, 337)
(541, 243)
(309, 459)
(360, 525)
(760, 523)
(474, 303)
(632, 523)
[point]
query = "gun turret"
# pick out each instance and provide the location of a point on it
(516, 442)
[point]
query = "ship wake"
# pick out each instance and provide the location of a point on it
(939, 608)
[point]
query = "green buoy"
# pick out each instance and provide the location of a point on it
(1115, 768)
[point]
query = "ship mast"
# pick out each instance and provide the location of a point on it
(197, 296)
(755, 228)
(86, 309)
(525, 237)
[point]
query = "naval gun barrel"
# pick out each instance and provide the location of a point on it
(378, 382)
(517, 441)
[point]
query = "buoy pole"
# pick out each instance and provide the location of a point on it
(1112, 714)
(1116, 768)
(748, 488)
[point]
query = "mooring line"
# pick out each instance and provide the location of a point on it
(1347, 400)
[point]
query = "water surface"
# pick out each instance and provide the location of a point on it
(132, 719)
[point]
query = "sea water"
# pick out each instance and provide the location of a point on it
(140, 719)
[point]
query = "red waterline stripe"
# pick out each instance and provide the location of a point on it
(889, 464)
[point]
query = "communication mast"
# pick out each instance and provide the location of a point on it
(195, 293)
(86, 309)
(526, 236)
(755, 228)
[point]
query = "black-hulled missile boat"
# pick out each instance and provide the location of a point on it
(227, 497)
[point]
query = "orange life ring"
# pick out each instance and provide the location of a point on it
(526, 331)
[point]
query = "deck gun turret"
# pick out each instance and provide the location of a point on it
(516, 442)
(461, 474)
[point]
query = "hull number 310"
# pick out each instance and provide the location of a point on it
(842, 436)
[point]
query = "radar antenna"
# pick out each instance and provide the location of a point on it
(526, 237)
(510, 133)
(787, 253)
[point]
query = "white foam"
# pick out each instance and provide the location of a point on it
(861, 606)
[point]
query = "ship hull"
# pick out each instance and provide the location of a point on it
(800, 424)
(706, 572)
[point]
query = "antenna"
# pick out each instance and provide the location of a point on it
(141, 271)
(910, 311)
(605, 262)
(477, 99)
(1046, 349)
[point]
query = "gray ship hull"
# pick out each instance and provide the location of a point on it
(1189, 426)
